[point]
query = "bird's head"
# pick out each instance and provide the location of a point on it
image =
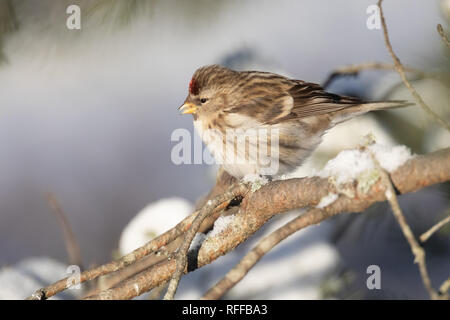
(208, 90)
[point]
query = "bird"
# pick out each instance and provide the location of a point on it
(262, 123)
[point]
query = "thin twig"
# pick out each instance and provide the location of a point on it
(425, 236)
(181, 258)
(441, 32)
(263, 247)
(416, 249)
(70, 240)
(401, 71)
(355, 69)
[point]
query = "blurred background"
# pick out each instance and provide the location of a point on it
(87, 115)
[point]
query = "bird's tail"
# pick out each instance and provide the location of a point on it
(380, 105)
(359, 109)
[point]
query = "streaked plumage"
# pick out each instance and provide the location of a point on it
(222, 99)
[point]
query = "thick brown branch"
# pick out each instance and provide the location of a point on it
(281, 196)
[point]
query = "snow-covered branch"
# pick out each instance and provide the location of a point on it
(280, 196)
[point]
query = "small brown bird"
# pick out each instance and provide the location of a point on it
(263, 123)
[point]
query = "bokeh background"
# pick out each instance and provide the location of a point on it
(88, 114)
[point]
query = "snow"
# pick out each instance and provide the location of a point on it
(253, 177)
(220, 224)
(390, 158)
(22, 279)
(197, 241)
(327, 200)
(255, 180)
(348, 165)
(153, 220)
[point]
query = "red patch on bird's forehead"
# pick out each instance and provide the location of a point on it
(193, 87)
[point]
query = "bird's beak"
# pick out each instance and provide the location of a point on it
(188, 107)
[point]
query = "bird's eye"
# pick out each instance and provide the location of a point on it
(203, 100)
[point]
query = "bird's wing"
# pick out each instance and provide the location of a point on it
(268, 106)
(279, 99)
(310, 99)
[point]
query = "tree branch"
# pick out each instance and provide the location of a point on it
(281, 196)
(426, 235)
